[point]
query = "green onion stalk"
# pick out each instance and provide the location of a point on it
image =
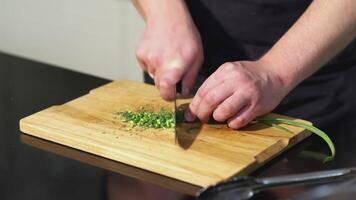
(165, 119)
(271, 121)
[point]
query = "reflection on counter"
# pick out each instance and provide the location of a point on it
(114, 179)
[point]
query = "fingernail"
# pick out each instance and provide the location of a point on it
(188, 116)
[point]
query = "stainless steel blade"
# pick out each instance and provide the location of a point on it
(178, 89)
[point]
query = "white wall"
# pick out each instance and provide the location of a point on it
(92, 36)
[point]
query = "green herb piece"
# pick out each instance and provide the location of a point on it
(214, 126)
(310, 128)
(159, 120)
(313, 155)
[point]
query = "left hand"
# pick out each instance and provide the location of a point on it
(238, 92)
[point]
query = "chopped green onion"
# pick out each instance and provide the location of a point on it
(159, 120)
(167, 119)
(311, 128)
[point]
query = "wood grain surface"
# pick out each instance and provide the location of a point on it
(204, 154)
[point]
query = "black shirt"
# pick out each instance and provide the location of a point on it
(245, 29)
(233, 30)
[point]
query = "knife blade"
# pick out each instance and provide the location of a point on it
(178, 90)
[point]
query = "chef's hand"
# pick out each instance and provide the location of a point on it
(237, 92)
(171, 52)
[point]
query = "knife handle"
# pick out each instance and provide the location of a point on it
(260, 184)
(306, 178)
(179, 87)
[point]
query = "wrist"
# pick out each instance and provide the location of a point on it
(167, 13)
(285, 78)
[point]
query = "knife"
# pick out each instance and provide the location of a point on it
(178, 90)
(243, 188)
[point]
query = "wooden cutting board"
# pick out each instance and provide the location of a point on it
(204, 154)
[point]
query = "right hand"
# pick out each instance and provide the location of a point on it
(169, 52)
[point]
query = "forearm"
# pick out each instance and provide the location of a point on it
(163, 11)
(320, 33)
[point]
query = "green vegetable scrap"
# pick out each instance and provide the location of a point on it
(214, 126)
(163, 119)
(276, 121)
(312, 155)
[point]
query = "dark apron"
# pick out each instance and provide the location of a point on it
(234, 30)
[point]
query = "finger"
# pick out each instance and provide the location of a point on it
(212, 99)
(158, 75)
(171, 75)
(189, 115)
(229, 107)
(217, 77)
(220, 75)
(152, 63)
(167, 86)
(242, 118)
(151, 71)
(160, 71)
(142, 64)
(208, 84)
(190, 77)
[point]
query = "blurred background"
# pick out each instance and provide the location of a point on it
(96, 37)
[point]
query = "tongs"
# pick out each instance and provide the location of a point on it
(242, 188)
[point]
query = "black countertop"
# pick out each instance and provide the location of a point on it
(31, 168)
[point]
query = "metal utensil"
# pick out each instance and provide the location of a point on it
(242, 188)
(178, 90)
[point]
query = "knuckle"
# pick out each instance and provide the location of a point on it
(228, 66)
(241, 76)
(140, 53)
(152, 58)
(217, 75)
(202, 92)
(192, 51)
(203, 116)
(225, 109)
(210, 98)
(220, 115)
